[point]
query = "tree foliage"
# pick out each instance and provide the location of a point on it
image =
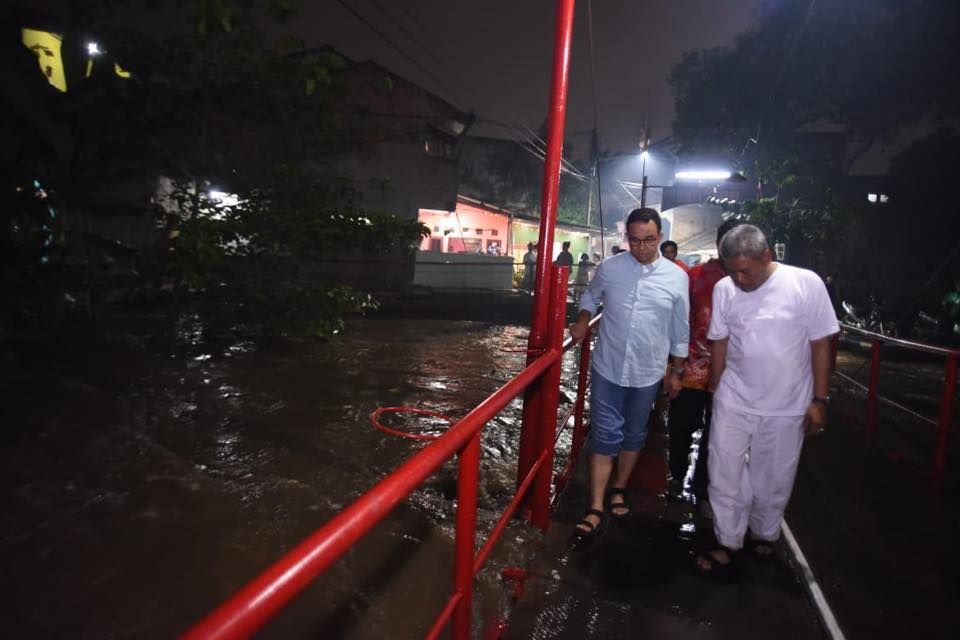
(212, 105)
(796, 101)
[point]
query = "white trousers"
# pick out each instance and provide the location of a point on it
(752, 465)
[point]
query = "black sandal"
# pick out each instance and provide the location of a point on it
(762, 550)
(623, 506)
(593, 530)
(716, 570)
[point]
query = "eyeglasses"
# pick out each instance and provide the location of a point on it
(647, 242)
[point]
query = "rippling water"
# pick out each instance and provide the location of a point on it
(143, 486)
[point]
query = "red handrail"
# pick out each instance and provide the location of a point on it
(944, 424)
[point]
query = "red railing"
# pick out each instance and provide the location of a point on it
(944, 424)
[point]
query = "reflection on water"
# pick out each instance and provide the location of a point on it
(144, 487)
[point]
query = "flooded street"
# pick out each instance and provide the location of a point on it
(143, 485)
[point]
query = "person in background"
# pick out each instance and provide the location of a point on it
(529, 266)
(690, 410)
(564, 258)
(584, 276)
(646, 319)
(669, 251)
(771, 327)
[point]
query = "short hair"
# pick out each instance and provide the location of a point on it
(584, 257)
(645, 215)
(743, 240)
(669, 243)
(725, 226)
(530, 246)
(566, 245)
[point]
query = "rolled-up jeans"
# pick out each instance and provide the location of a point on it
(618, 415)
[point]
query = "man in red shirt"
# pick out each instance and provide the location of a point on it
(669, 251)
(690, 410)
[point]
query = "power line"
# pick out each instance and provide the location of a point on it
(394, 45)
(423, 30)
(531, 138)
(412, 37)
(779, 79)
(595, 137)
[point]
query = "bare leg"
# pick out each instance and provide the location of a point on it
(626, 461)
(601, 467)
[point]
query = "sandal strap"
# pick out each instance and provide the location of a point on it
(616, 491)
(586, 523)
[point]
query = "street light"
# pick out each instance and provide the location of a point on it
(703, 174)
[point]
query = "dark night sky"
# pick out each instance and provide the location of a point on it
(500, 55)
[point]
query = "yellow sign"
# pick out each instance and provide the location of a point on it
(46, 46)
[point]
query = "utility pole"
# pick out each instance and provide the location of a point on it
(644, 146)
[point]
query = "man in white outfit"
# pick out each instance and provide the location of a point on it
(771, 327)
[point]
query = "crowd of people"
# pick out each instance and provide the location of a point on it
(740, 345)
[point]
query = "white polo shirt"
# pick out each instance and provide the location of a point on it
(768, 370)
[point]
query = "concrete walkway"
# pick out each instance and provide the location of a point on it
(638, 581)
(882, 546)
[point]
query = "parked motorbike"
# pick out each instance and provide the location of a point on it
(934, 328)
(869, 319)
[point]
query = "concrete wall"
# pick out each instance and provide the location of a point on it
(462, 271)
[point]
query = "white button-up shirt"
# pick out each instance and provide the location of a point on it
(646, 317)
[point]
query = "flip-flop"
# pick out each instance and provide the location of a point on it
(716, 570)
(762, 550)
(593, 530)
(623, 506)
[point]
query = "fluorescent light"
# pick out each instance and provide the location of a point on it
(708, 174)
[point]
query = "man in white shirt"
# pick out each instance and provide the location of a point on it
(771, 327)
(645, 319)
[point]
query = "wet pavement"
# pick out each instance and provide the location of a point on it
(638, 580)
(880, 543)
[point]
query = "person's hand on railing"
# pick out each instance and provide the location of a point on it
(579, 328)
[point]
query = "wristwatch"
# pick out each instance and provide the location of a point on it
(824, 400)
(678, 371)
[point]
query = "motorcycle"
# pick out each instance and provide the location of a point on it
(869, 320)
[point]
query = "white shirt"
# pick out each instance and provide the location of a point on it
(768, 370)
(646, 316)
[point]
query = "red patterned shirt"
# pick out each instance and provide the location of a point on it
(703, 277)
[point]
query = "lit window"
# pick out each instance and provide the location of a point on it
(884, 197)
(871, 197)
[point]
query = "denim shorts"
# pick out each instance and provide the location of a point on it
(618, 415)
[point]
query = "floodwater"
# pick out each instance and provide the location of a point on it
(145, 484)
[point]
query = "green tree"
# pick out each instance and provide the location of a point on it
(812, 76)
(214, 105)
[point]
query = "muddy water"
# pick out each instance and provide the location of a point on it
(143, 485)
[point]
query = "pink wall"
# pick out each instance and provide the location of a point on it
(470, 227)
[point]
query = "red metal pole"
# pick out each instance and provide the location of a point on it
(556, 117)
(579, 432)
(871, 426)
(467, 482)
(550, 387)
(946, 420)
